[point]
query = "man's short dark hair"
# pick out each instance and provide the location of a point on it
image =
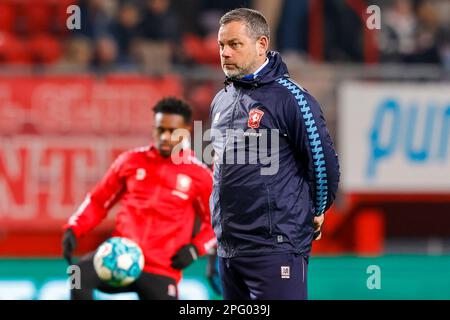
(256, 22)
(172, 105)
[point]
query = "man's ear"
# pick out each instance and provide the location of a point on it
(263, 45)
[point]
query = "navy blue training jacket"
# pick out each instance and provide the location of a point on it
(275, 165)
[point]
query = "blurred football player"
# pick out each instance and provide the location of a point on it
(160, 200)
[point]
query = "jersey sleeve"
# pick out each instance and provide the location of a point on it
(205, 239)
(99, 200)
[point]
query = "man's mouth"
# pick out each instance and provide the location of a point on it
(165, 147)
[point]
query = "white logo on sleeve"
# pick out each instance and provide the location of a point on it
(216, 118)
(140, 174)
(285, 272)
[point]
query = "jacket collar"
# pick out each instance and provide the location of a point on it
(274, 70)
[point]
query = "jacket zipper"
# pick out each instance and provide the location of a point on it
(153, 199)
(230, 125)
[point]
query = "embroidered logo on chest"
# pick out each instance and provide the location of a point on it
(183, 182)
(141, 174)
(254, 118)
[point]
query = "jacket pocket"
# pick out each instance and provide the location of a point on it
(245, 211)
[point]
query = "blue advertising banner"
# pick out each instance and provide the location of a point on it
(394, 137)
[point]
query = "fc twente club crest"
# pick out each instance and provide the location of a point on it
(254, 118)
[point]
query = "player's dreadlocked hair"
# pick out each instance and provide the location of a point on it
(173, 105)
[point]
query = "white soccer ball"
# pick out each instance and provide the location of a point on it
(118, 261)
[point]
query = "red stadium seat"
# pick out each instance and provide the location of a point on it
(203, 51)
(38, 18)
(44, 49)
(13, 50)
(7, 16)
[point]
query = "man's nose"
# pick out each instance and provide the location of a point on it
(226, 53)
(165, 135)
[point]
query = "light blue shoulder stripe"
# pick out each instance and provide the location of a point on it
(315, 144)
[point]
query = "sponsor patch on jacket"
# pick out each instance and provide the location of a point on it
(254, 118)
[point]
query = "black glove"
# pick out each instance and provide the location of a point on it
(69, 243)
(212, 273)
(184, 257)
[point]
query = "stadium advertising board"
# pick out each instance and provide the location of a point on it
(394, 138)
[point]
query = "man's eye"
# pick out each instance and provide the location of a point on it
(163, 130)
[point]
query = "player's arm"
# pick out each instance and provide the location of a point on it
(204, 240)
(307, 129)
(97, 202)
(94, 208)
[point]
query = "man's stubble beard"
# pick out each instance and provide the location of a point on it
(234, 74)
(240, 72)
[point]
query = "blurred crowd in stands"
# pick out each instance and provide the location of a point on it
(155, 36)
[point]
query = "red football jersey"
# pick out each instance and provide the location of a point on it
(159, 202)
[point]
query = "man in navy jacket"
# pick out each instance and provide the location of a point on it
(275, 171)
